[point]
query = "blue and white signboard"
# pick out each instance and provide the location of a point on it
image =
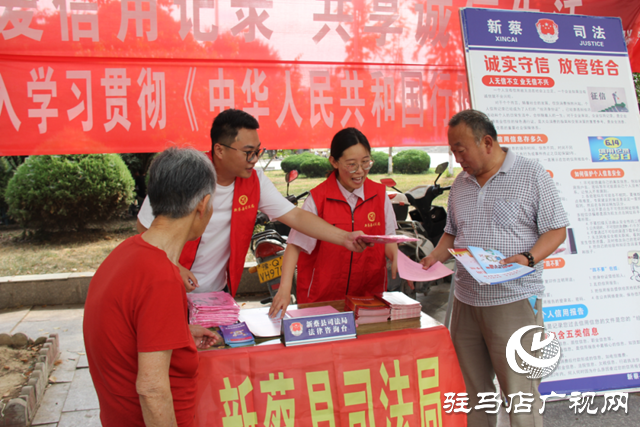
(559, 89)
(320, 328)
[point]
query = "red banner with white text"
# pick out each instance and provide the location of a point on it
(135, 75)
(392, 378)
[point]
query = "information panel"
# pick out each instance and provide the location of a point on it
(559, 90)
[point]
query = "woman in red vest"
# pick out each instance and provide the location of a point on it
(350, 201)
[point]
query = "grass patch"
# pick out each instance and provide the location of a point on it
(60, 252)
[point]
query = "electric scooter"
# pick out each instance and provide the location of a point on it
(427, 224)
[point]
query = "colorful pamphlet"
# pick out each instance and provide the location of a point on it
(489, 260)
(369, 238)
(237, 335)
(476, 271)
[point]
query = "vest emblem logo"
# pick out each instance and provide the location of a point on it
(371, 216)
(243, 200)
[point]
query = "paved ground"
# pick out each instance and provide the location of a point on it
(72, 402)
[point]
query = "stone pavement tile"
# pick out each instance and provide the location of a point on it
(11, 317)
(83, 362)
(81, 419)
(82, 394)
(65, 320)
(64, 372)
(50, 409)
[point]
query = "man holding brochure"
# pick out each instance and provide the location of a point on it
(506, 202)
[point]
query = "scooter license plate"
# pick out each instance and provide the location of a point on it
(270, 270)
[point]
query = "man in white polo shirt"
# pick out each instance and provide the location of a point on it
(506, 202)
(216, 260)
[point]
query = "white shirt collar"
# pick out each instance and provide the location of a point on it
(358, 192)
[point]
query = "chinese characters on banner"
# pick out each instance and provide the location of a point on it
(68, 109)
(391, 378)
(560, 90)
(80, 76)
(522, 402)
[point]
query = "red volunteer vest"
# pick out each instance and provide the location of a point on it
(331, 271)
(246, 196)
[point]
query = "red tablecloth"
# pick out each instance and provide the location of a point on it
(365, 381)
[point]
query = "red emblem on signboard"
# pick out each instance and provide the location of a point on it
(547, 30)
(296, 329)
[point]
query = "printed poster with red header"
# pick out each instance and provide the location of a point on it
(560, 90)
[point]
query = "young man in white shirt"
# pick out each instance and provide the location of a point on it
(216, 260)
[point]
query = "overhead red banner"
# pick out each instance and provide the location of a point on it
(136, 75)
(392, 378)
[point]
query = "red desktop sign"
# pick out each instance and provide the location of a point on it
(135, 76)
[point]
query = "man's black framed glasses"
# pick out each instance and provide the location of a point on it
(251, 155)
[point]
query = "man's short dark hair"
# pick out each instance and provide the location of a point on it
(179, 178)
(478, 122)
(226, 125)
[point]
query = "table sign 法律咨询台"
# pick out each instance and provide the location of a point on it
(379, 375)
(318, 328)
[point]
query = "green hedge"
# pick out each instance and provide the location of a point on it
(316, 167)
(295, 161)
(6, 172)
(69, 192)
(8, 167)
(411, 162)
(381, 162)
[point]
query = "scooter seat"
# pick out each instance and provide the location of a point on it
(419, 191)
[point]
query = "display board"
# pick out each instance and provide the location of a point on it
(89, 76)
(559, 90)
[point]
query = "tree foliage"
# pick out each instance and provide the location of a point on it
(294, 162)
(315, 167)
(8, 167)
(380, 162)
(69, 192)
(411, 162)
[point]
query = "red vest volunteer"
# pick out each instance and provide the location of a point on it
(216, 259)
(330, 272)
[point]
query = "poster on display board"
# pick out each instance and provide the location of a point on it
(93, 76)
(559, 90)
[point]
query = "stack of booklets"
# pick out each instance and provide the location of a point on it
(484, 265)
(402, 306)
(367, 309)
(212, 309)
(237, 335)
